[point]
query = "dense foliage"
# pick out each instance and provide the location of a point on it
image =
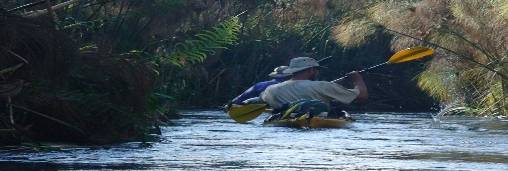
(471, 38)
(90, 69)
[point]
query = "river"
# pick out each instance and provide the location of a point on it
(209, 140)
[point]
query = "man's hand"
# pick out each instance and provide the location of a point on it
(356, 76)
(360, 85)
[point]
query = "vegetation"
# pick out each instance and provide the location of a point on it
(272, 33)
(103, 71)
(90, 69)
(471, 38)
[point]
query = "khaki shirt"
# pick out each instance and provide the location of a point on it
(292, 90)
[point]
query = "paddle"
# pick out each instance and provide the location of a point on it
(406, 55)
(244, 113)
(324, 61)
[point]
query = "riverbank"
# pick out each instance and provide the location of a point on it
(54, 91)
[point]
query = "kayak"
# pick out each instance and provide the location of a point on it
(314, 122)
(245, 113)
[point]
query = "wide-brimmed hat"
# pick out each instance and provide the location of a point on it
(300, 64)
(278, 72)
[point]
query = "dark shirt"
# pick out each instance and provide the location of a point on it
(255, 90)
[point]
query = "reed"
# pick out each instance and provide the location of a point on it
(471, 38)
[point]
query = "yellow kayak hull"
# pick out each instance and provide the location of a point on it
(312, 123)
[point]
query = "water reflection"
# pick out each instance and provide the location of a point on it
(209, 140)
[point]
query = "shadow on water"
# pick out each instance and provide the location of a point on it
(455, 156)
(209, 140)
(72, 166)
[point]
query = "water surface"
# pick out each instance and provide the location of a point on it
(209, 140)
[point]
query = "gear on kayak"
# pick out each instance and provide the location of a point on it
(307, 114)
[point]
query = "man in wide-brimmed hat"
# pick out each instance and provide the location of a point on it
(278, 76)
(301, 86)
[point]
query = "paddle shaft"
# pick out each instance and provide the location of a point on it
(363, 70)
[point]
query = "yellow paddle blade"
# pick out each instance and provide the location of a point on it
(410, 54)
(244, 113)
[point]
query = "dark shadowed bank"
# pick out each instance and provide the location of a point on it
(98, 72)
(68, 95)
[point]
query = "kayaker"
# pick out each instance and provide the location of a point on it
(255, 90)
(302, 86)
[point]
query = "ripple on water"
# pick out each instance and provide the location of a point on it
(209, 140)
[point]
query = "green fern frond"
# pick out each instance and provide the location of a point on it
(206, 42)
